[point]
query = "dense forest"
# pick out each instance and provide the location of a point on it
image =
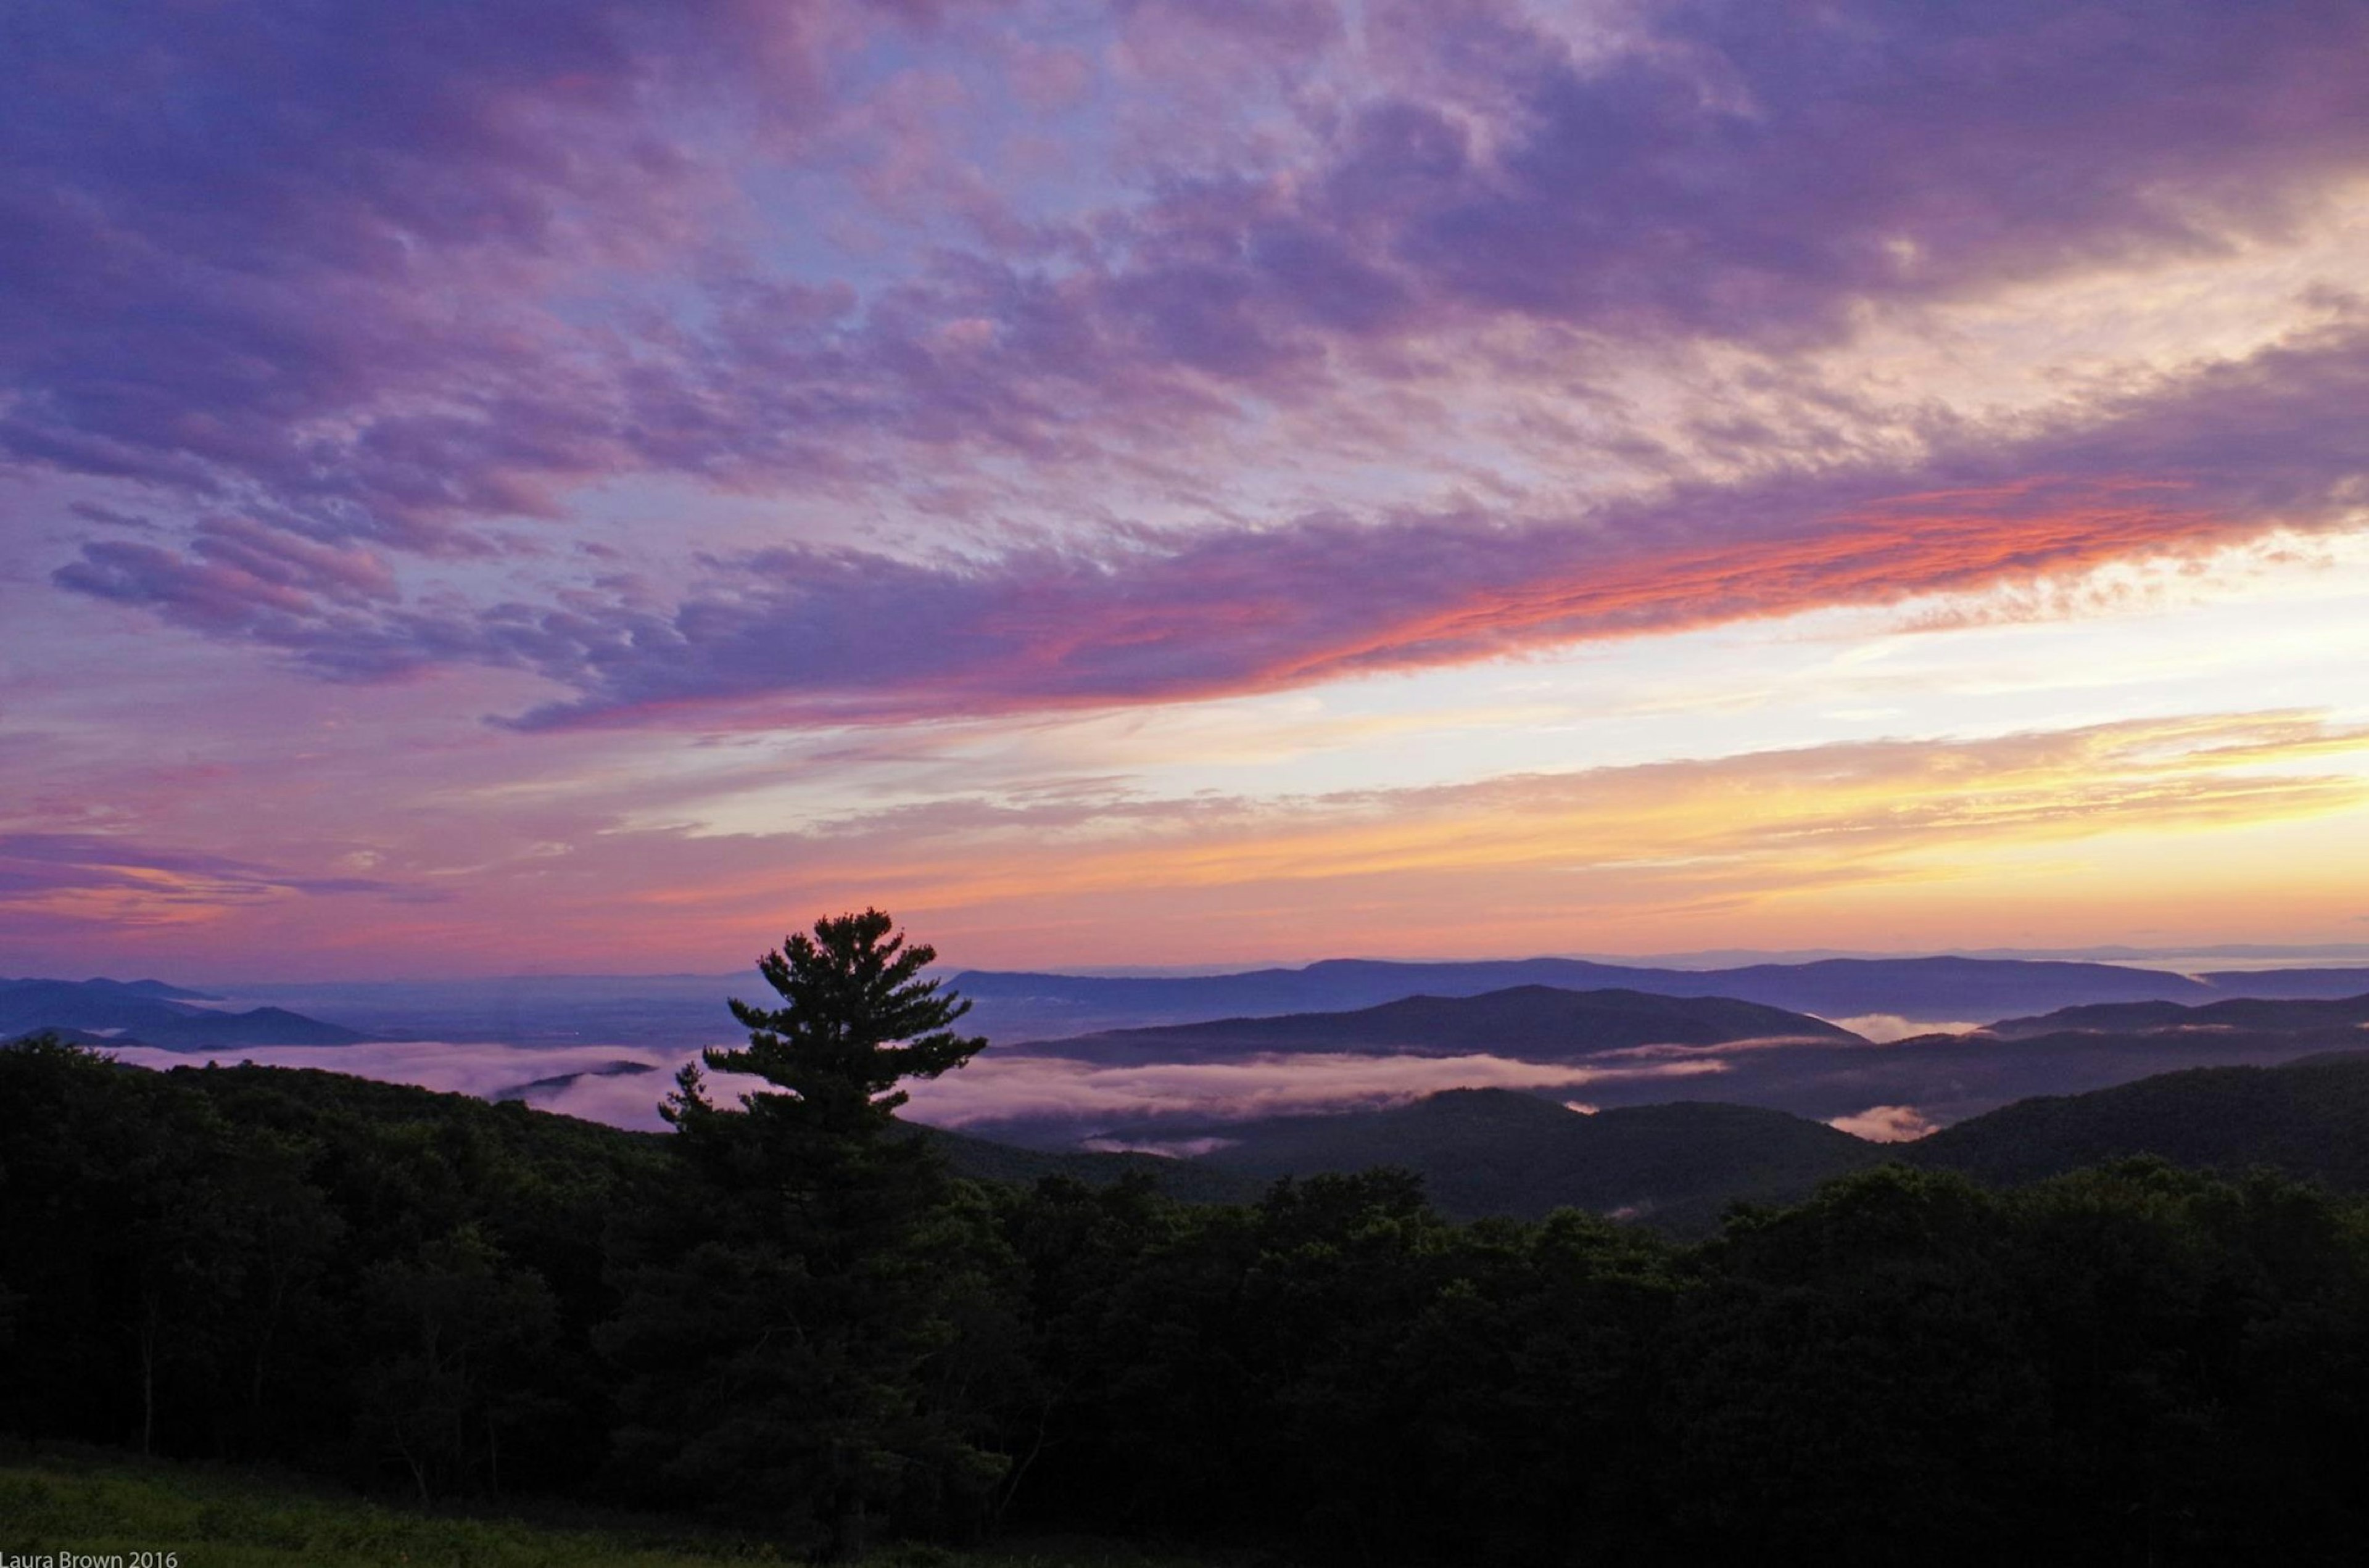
(798, 1319)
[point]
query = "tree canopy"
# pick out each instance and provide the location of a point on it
(857, 1019)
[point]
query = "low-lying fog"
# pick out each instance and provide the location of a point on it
(1885, 1090)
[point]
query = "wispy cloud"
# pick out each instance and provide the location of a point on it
(738, 400)
(418, 283)
(1885, 1124)
(993, 1088)
(95, 878)
(784, 636)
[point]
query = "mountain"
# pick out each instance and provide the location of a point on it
(1677, 1166)
(82, 1037)
(662, 1012)
(2308, 1118)
(1533, 1022)
(1189, 1180)
(2325, 984)
(143, 1009)
(258, 1027)
(534, 1089)
(671, 1010)
(1809, 1069)
(2257, 1015)
(80, 1004)
(1015, 1005)
(101, 985)
(155, 989)
(1483, 1151)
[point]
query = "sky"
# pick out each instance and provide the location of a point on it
(511, 485)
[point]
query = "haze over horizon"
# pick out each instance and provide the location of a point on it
(2226, 957)
(517, 488)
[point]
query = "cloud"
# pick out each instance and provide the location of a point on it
(1166, 1148)
(1001, 1088)
(407, 279)
(237, 579)
(793, 635)
(1733, 169)
(1885, 1027)
(96, 860)
(1886, 1124)
(1672, 1051)
(1788, 818)
(91, 877)
(590, 865)
(457, 1068)
(994, 1088)
(716, 366)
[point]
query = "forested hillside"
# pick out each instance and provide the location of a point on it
(440, 1298)
(2307, 1120)
(1496, 1151)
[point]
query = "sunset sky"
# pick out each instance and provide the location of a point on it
(507, 486)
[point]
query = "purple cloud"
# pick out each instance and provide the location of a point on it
(348, 285)
(1748, 169)
(397, 272)
(272, 248)
(806, 635)
(36, 865)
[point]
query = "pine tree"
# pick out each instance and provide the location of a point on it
(790, 1321)
(857, 1020)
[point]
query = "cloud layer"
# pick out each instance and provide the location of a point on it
(1147, 481)
(356, 301)
(993, 1089)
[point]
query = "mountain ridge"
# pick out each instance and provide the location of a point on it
(2259, 1014)
(1938, 987)
(1535, 1023)
(145, 1013)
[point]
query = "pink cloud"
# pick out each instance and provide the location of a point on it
(1886, 1124)
(790, 635)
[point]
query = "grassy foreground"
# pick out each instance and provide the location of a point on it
(127, 1513)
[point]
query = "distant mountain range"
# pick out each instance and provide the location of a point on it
(2255, 1014)
(1533, 1022)
(150, 1013)
(102, 986)
(1626, 1048)
(1017, 1006)
(650, 1011)
(674, 1011)
(1491, 1151)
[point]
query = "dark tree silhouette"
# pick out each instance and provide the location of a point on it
(857, 1020)
(820, 1267)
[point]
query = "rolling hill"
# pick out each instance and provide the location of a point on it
(2255, 1015)
(1534, 1022)
(1496, 1151)
(1677, 1166)
(2325, 984)
(2308, 1118)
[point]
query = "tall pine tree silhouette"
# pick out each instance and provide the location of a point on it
(788, 1320)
